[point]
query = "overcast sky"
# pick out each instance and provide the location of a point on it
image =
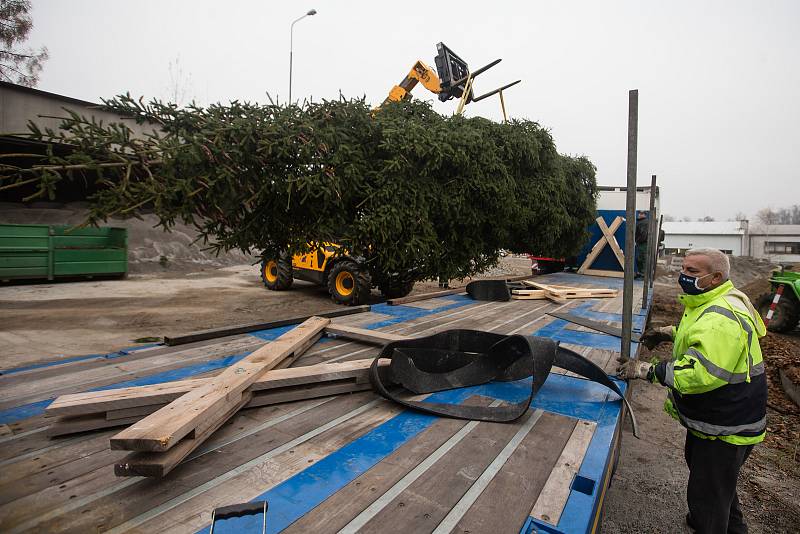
(719, 82)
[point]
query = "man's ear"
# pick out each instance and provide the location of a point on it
(717, 279)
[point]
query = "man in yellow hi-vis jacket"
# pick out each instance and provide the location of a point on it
(717, 387)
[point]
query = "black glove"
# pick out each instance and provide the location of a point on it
(654, 336)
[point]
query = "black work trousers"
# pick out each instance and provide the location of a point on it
(711, 493)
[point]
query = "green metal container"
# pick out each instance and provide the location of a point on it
(42, 251)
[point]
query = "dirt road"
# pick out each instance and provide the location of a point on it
(43, 322)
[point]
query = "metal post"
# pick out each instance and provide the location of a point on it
(657, 228)
(648, 268)
(630, 225)
(291, 47)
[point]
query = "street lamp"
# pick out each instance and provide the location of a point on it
(291, 39)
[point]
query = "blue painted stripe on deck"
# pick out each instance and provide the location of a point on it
(585, 310)
(580, 510)
(401, 314)
(301, 493)
(17, 413)
(109, 356)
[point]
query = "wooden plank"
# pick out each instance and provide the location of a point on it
(250, 479)
(423, 505)
(135, 411)
(601, 272)
(505, 503)
(372, 337)
(50, 463)
(161, 394)
(84, 423)
(204, 405)
(347, 503)
(51, 509)
(158, 464)
(553, 498)
(244, 329)
(295, 393)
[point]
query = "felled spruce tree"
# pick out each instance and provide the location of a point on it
(405, 188)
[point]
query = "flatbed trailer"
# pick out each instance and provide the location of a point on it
(348, 463)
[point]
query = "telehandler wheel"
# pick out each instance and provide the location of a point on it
(786, 315)
(395, 289)
(276, 274)
(348, 284)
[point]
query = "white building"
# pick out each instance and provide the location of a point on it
(777, 242)
(728, 236)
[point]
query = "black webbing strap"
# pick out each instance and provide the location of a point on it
(461, 358)
(494, 290)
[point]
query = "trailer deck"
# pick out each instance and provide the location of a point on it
(353, 462)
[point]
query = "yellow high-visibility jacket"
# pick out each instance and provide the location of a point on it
(717, 386)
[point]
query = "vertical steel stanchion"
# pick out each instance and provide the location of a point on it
(649, 261)
(630, 225)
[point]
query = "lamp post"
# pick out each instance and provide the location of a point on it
(291, 42)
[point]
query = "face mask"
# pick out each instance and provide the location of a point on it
(689, 284)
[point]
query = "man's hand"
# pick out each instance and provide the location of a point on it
(654, 336)
(634, 369)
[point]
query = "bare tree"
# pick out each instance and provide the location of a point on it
(18, 65)
(767, 216)
(179, 83)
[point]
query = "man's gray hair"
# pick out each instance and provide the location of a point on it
(719, 260)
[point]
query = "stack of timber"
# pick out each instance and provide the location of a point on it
(560, 294)
(94, 410)
(169, 421)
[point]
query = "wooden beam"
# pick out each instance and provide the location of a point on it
(598, 247)
(158, 464)
(601, 272)
(94, 421)
(372, 337)
(114, 401)
(204, 406)
(84, 423)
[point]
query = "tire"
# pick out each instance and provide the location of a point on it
(786, 315)
(396, 289)
(277, 274)
(348, 284)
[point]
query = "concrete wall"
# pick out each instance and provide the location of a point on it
(20, 104)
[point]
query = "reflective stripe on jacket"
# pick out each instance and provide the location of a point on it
(716, 378)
